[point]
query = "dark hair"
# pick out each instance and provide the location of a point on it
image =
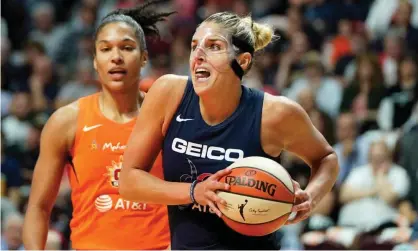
(140, 18)
(377, 77)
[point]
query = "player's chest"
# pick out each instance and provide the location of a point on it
(188, 158)
(103, 141)
(98, 157)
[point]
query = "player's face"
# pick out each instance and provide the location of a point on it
(210, 56)
(118, 59)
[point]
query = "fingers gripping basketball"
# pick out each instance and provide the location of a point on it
(205, 191)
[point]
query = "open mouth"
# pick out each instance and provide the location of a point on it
(202, 74)
(117, 74)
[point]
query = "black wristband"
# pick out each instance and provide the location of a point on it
(194, 183)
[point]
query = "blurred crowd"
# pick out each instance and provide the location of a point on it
(351, 64)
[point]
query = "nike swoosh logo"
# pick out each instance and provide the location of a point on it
(179, 119)
(89, 128)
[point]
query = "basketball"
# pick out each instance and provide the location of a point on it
(260, 198)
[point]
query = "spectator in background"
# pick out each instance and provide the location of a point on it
(314, 232)
(6, 96)
(393, 50)
(296, 23)
(350, 149)
(370, 192)
(323, 13)
(179, 55)
(363, 96)
(53, 241)
(16, 125)
(381, 14)
(10, 73)
(264, 72)
(396, 108)
(409, 159)
(307, 99)
(45, 29)
(80, 29)
(6, 100)
(11, 238)
(7, 208)
(11, 175)
(43, 84)
(84, 85)
(328, 92)
(345, 67)
(341, 43)
(3, 26)
(28, 157)
(291, 61)
(84, 18)
(160, 66)
(401, 21)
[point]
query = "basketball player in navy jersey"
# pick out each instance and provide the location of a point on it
(204, 124)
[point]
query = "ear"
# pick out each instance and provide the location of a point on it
(95, 63)
(144, 58)
(244, 60)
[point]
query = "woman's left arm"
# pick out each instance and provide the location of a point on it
(294, 132)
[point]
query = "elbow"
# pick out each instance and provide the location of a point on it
(329, 164)
(334, 166)
(124, 187)
(129, 187)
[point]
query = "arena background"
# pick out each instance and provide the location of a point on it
(351, 64)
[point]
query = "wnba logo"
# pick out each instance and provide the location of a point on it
(103, 203)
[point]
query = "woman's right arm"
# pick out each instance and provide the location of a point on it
(56, 138)
(146, 140)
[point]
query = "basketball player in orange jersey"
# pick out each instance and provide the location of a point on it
(93, 133)
(206, 122)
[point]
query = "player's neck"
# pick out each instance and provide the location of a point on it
(120, 107)
(217, 107)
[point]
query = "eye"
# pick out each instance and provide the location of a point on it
(128, 48)
(104, 49)
(193, 47)
(215, 47)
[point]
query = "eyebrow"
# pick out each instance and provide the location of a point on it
(211, 39)
(124, 40)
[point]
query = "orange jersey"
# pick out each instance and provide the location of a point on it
(101, 218)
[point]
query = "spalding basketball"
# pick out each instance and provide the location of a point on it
(261, 196)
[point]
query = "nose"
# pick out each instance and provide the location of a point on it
(117, 57)
(199, 54)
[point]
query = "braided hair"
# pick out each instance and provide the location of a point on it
(141, 18)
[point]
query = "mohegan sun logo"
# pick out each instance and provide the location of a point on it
(113, 171)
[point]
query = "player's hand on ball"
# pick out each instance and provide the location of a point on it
(302, 206)
(205, 191)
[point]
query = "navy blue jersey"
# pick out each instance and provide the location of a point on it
(195, 150)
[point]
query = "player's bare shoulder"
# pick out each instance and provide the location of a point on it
(277, 109)
(170, 86)
(63, 123)
(279, 114)
(167, 93)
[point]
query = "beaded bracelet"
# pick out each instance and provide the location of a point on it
(194, 183)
